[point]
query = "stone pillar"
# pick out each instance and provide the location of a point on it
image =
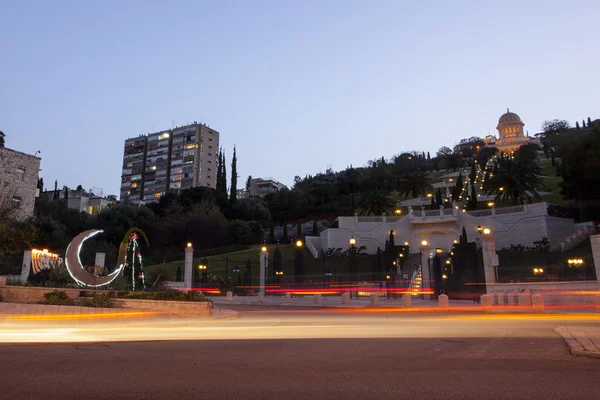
(384, 218)
(425, 277)
(318, 299)
(345, 298)
(100, 259)
(288, 298)
(486, 302)
(229, 296)
(490, 260)
(524, 298)
(443, 301)
(260, 297)
(2, 281)
(595, 240)
(406, 301)
(26, 266)
(493, 211)
(264, 264)
(537, 301)
(355, 218)
(374, 300)
(189, 261)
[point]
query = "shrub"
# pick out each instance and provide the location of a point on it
(56, 297)
(170, 295)
(99, 300)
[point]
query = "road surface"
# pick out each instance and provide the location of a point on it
(302, 354)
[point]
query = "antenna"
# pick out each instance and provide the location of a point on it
(173, 123)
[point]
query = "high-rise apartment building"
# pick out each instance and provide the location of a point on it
(170, 160)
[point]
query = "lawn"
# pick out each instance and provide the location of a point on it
(219, 264)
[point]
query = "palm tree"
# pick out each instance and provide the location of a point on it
(2, 135)
(415, 184)
(515, 178)
(377, 203)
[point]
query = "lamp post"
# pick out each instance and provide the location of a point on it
(299, 261)
(352, 267)
(202, 269)
(264, 265)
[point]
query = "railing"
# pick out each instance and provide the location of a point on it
(480, 213)
(510, 210)
(370, 219)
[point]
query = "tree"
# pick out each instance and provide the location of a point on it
(463, 237)
(484, 155)
(40, 184)
(315, 228)
(79, 188)
(224, 177)
(555, 125)
(391, 241)
(233, 189)
(438, 197)
(444, 151)
(285, 232)
(55, 190)
(515, 178)
(459, 186)
(577, 125)
(581, 162)
(415, 184)
(299, 230)
(248, 183)
(473, 199)
(252, 209)
(428, 157)
(583, 123)
(376, 203)
(66, 190)
(2, 136)
(589, 122)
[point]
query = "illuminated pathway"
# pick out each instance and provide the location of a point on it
(357, 354)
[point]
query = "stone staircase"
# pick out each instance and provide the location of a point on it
(581, 234)
(416, 283)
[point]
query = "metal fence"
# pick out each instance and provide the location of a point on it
(535, 266)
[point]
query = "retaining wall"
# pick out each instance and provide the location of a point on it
(555, 293)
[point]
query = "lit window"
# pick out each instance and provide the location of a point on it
(134, 185)
(16, 203)
(157, 195)
(163, 136)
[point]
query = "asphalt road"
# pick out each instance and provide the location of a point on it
(301, 355)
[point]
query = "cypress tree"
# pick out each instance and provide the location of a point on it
(583, 123)
(285, 235)
(589, 121)
(66, 193)
(473, 198)
(299, 230)
(577, 125)
(315, 228)
(463, 237)
(271, 234)
(224, 178)
(428, 157)
(392, 244)
(552, 159)
(55, 190)
(459, 185)
(233, 189)
(219, 170)
(433, 206)
(40, 184)
(438, 198)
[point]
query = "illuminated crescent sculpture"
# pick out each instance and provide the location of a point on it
(76, 270)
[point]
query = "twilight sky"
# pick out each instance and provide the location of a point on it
(295, 85)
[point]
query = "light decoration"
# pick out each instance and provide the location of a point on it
(486, 231)
(263, 249)
(538, 271)
(575, 261)
(43, 259)
(134, 264)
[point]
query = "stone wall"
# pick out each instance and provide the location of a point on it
(555, 293)
(28, 295)
(14, 184)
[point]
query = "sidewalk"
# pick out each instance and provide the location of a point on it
(336, 302)
(582, 340)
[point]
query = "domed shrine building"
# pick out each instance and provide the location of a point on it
(510, 130)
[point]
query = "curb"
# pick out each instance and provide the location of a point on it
(575, 346)
(225, 314)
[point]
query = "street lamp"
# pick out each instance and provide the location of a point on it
(479, 229)
(189, 244)
(298, 243)
(424, 243)
(398, 211)
(352, 241)
(486, 231)
(263, 249)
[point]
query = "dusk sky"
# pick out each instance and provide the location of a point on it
(295, 85)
